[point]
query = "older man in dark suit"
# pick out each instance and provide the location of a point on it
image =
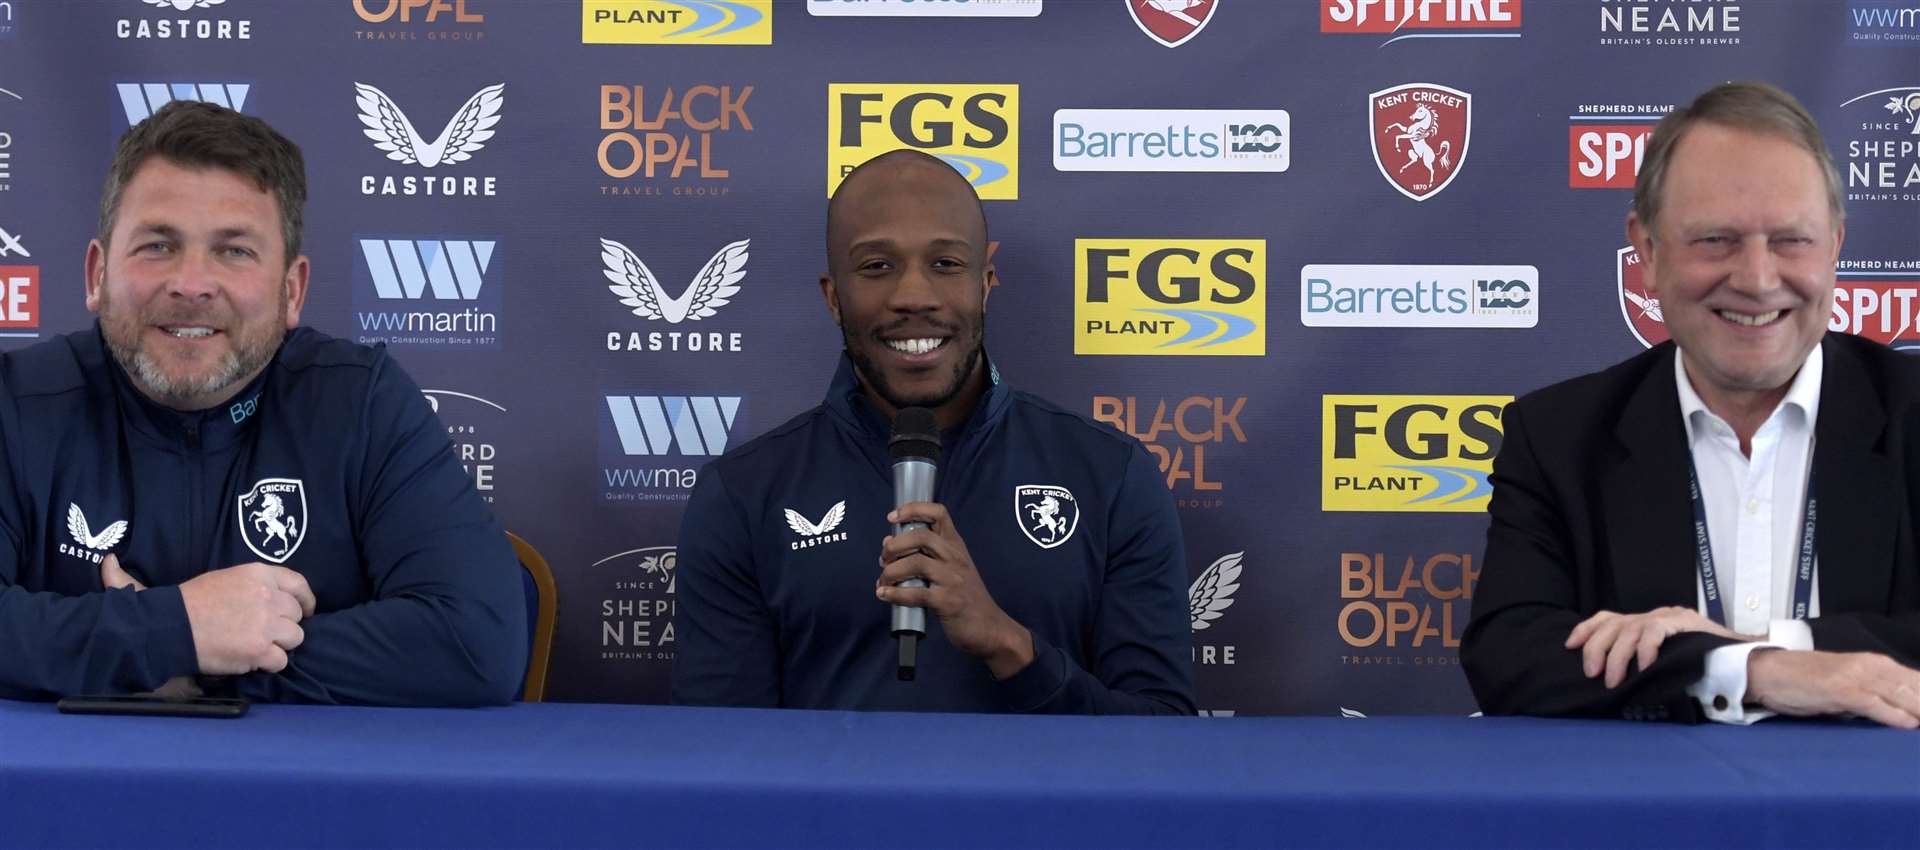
(1722, 527)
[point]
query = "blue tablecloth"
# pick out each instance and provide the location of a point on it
(598, 775)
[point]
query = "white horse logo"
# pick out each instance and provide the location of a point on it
(268, 519)
(1047, 515)
(1420, 126)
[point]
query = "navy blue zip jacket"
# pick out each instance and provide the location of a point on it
(330, 463)
(1068, 523)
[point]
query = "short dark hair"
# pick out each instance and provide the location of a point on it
(197, 134)
(1746, 105)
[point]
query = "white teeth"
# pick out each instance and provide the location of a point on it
(914, 346)
(190, 332)
(1749, 320)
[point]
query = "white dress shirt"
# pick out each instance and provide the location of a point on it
(1754, 508)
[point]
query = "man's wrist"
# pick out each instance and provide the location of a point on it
(1014, 654)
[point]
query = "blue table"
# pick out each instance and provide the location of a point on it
(599, 775)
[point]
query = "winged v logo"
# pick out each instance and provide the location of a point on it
(183, 5)
(106, 539)
(710, 290)
(817, 534)
(467, 132)
(1212, 592)
(827, 523)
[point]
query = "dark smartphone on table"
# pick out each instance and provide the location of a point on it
(153, 705)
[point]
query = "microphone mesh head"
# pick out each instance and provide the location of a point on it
(916, 434)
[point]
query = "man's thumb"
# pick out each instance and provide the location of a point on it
(114, 578)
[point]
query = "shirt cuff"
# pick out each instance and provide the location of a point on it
(1039, 682)
(1790, 634)
(1722, 691)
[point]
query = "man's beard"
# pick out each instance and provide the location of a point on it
(251, 348)
(877, 379)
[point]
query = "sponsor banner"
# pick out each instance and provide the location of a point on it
(1404, 609)
(1420, 134)
(1607, 142)
(1639, 23)
(19, 289)
(651, 446)
(1183, 434)
(1171, 22)
(1408, 452)
(1405, 19)
(390, 21)
(636, 611)
(1335, 296)
(1882, 305)
(638, 291)
(664, 141)
(428, 293)
(684, 22)
(139, 100)
(470, 420)
(1884, 22)
(1171, 140)
(463, 136)
(974, 128)
(179, 20)
(924, 8)
(1882, 130)
(1170, 296)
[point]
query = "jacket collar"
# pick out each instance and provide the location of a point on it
(848, 405)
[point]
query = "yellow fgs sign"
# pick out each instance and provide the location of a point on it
(1408, 452)
(1170, 296)
(974, 128)
(676, 21)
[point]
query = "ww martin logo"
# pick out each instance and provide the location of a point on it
(140, 100)
(676, 22)
(1172, 297)
(428, 293)
(650, 425)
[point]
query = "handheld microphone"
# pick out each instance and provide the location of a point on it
(915, 447)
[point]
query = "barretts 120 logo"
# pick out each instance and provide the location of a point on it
(1171, 139)
(974, 128)
(676, 21)
(1405, 19)
(1170, 296)
(1408, 452)
(139, 100)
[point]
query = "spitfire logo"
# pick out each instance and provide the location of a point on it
(1048, 515)
(1420, 136)
(140, 100)
(89, 546)
(19, 288)
(1171, 22)
(816, 534)
(273, 517)
(465, 133)
(1637, 305)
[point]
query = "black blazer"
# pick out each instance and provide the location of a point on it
(1590, 512)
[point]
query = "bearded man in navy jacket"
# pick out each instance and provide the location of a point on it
(198, 493)
(1052, 551)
